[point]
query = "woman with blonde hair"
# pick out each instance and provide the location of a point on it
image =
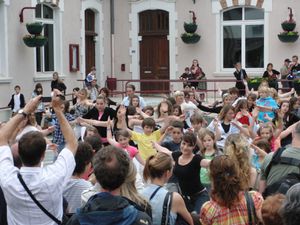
(229, 202)
(129, 190)
(157, 171)
(238, 150)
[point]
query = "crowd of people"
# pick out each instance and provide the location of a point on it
(181, 162)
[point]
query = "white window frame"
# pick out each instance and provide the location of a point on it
(47, 21)
(242, 23)
(58, 53)
(4, 68)
(216, 10)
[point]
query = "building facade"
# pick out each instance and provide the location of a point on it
(139, 39)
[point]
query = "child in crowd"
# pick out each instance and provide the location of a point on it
(208, 150)
(186, 76)
(122, 141)
(17, 100)
(144, 140)
(176, 131)
(197, 122)
(266, 105)
(270, 133)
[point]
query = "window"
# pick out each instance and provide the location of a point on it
(243, 38)
(45, 54)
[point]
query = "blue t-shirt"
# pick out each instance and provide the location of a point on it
(267, 102)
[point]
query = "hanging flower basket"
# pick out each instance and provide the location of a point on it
(288, 26)
(34, 41)
(288, 36)
(35, 28)
(190, 27)
(190, 38)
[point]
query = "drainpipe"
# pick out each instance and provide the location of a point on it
(112, 33)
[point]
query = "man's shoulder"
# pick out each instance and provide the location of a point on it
(292, 152)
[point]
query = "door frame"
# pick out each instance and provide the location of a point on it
(96, 6)
(134, 50)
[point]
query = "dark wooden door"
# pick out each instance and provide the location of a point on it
(154, 50)
(89, 40)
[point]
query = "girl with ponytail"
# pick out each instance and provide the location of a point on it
(158, 169)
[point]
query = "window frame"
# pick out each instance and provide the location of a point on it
(243, 23)
(52, 22)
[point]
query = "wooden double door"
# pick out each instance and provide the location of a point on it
(154, 50)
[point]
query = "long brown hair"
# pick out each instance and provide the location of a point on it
(224, 174)
(237, 148)
(224, 111)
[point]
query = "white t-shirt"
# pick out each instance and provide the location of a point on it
(46, 184)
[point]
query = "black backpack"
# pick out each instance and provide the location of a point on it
(284, 183)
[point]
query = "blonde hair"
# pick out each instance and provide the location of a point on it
(156, 165)
(237, 148)
(128, 188)
(178, 93)
(264, 89)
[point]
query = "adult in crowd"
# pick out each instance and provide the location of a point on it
(187, 166)
(98, 116)
(240, 75)
(295, 65)
(130, 91)
(158, 170)
(285, 71)
(272, 76)
(273, 173)
(291, 206)
(105, 93)
(93, 90)
(57, 83)
(17, 100)
(229, 202)
(46, 183)
(197, 73)
(111, 166)
(38, 90)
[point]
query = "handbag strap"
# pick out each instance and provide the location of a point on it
(154, 193)
(166, 209)
(250, 209)
(37, 202)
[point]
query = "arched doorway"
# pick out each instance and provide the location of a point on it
(90, 35)
(154, 49)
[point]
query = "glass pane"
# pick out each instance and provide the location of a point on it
(49, 48)
(38, 60)
(38, 11)
(47, 12)
(255, 46)
(233, 14)
(254, 14)
(231, 45)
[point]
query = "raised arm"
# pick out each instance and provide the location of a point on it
(161, 148)
(7, 130)
(66, 129)
(109, 134)
(92, 122)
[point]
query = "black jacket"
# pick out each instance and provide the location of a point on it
(94, 114)
(12, 102)
(105, 209)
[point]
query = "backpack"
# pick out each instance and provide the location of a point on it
(284, 183)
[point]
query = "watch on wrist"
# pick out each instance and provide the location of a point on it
(21, 112)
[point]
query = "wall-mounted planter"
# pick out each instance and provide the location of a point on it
(189, 38)
(190, 27)
(288, 38)
(35, 41)
(286, 26)
(35, 28)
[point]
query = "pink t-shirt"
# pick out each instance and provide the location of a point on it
(132, 151)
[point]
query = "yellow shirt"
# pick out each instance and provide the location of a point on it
(144, 142)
